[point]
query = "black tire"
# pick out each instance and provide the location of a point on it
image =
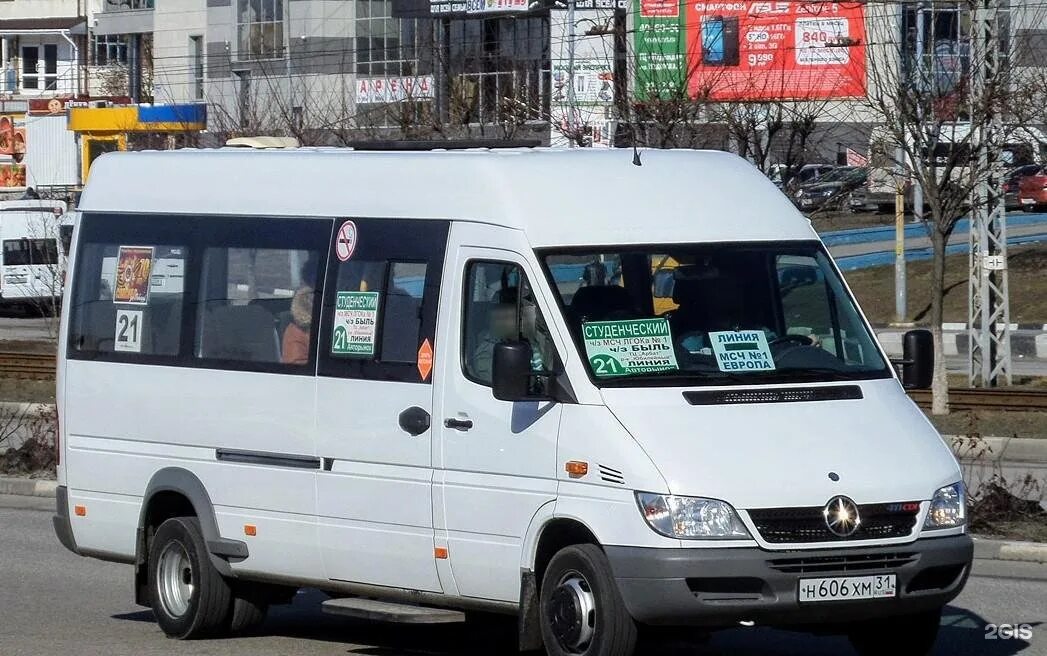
(246, 614)
(606, 629)
(910, 635)
(202, 605)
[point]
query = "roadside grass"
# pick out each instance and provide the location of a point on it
(874, 288)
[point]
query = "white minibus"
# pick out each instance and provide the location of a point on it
(30, 265)
(439, 383)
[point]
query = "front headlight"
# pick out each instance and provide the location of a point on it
(690, 517)
(948, 508)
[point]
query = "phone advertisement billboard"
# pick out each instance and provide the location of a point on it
(751, 50)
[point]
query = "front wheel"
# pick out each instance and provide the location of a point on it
(910, 635)
(189, 597)
(582, 613)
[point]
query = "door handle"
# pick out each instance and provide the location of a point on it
(414, 420)
(458, 424)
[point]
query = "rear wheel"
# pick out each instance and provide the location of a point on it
(581, 611)
(189, 597)
(912, 635)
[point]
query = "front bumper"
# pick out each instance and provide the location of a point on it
(721, 586)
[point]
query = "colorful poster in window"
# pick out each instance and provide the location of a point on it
(635, 346)
(752, 50)
(134, 267)
(355, 324)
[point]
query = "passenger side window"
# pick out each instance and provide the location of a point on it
(381, 299)
(377, 312)
(214, 292)
(129, 298)
(500, 306)
(257, 305)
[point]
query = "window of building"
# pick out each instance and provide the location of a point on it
(500, 306)
(260, 29)
(110, 49)
(388, 46)
(380, 305)
(196, 49)
(499, 69)
(40, 67)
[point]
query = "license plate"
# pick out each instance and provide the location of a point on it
(848, 587)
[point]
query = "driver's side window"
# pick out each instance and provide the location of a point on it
(499, 306)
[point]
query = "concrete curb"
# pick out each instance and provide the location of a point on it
(1011, 550)
(28, 487)
(1011, 450)
(955, 342)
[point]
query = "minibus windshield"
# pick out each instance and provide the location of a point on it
(712, 314)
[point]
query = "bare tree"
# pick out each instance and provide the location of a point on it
(932, 117)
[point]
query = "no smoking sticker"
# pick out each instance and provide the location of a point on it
(345, 241)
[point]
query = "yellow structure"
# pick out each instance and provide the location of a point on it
(105, 129)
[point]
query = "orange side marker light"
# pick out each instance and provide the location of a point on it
(250, 529)
(576, 468)
(81, 511)
(440, 553)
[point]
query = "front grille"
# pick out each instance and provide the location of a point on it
(850, 563)
(797, 525)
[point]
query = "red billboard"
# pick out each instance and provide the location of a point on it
(775, 50)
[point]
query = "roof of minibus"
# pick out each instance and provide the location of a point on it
(562, 197)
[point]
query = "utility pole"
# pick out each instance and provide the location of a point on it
(901, 310)
(922, 80)
(571, 109)
(989, 320)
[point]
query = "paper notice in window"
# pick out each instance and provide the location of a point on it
(741, 350)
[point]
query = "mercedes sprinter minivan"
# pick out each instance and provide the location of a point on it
(433, 383)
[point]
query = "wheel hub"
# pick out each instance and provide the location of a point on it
(572, 613)
(175, 580)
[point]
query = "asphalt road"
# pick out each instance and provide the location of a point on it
(52, 602)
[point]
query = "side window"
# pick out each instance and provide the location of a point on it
(128, 299)
(500, 306)
(381, 299)
(257, 305)
(226, 293)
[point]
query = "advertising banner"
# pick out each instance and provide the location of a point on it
(394, 89)
(592, 79)
(752, 50)
(12, 150)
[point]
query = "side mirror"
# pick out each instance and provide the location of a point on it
(917, 359)
(511, 371)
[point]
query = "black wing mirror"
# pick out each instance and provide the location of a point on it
(511, 371)
(917, 359)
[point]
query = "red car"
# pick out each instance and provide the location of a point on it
(1032, 190)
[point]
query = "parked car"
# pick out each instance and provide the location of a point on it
(1012, 181)
(1032, 190)
(831, 189)
(806, 174)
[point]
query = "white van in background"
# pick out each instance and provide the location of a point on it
(466, 396)
(31, 266)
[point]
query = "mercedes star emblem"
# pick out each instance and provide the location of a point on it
(841, 516)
